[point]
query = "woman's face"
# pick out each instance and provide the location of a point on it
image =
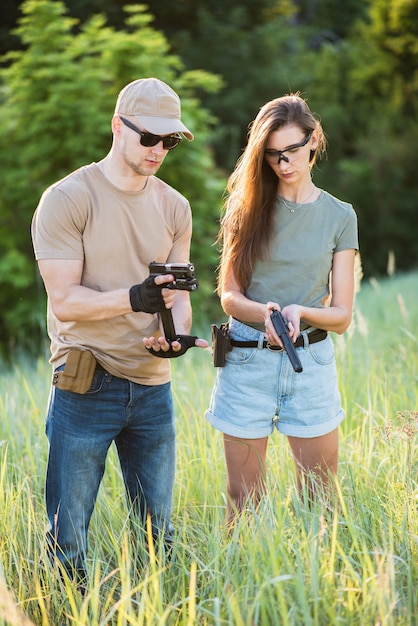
(288, 151)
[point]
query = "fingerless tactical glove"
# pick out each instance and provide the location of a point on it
(146, 297)
(186, 341)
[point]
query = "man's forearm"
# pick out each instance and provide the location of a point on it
(182, 313)
(81, 304)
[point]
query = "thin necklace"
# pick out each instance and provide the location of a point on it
(295, 208)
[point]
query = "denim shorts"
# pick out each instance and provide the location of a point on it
(258, 390)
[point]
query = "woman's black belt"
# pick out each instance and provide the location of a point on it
(313, 337)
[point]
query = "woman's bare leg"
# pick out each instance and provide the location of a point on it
(315, 458)
(246, 464)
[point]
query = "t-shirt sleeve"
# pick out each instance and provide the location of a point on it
(182, 236)
(57, 227)
(348, 237)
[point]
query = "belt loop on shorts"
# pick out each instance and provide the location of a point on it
(261, 340)
(305, 339)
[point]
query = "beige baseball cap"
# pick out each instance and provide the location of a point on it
(155, 105)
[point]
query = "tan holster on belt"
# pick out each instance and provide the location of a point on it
(78, 372)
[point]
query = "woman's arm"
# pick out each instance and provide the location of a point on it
(337, 316)
(236, 304)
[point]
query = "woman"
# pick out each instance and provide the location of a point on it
(289, 246)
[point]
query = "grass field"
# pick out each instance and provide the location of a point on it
(290, 566)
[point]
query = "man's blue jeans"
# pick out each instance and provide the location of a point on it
(80, 430)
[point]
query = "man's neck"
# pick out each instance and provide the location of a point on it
(122, 178)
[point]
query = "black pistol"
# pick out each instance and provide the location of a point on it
(280, 326)
(184, 279)
(184, 275)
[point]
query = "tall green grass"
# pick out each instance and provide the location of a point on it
(285, 565)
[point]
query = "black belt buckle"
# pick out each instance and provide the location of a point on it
(273, 348)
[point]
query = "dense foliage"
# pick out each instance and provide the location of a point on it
(57, 99)
(356, 62)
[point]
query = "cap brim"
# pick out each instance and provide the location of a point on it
(164, 126)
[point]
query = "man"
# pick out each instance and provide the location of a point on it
(94, 234)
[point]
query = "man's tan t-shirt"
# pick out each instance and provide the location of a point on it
(116, 234)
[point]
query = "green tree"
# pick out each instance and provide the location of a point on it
(56, 97)
(255, 47)
(380, 164)
(355, 62)
(238, 41)
(365, 89)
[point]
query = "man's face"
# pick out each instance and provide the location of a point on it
(144, 160)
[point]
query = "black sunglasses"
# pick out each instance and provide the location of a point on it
(272, 155)
(148, 139)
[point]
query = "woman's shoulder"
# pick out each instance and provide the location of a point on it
(333, 202)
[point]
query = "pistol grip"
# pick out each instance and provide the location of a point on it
(168, 325)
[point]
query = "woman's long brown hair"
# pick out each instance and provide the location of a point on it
(246, 226)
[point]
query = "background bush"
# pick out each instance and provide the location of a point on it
(356, 62)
